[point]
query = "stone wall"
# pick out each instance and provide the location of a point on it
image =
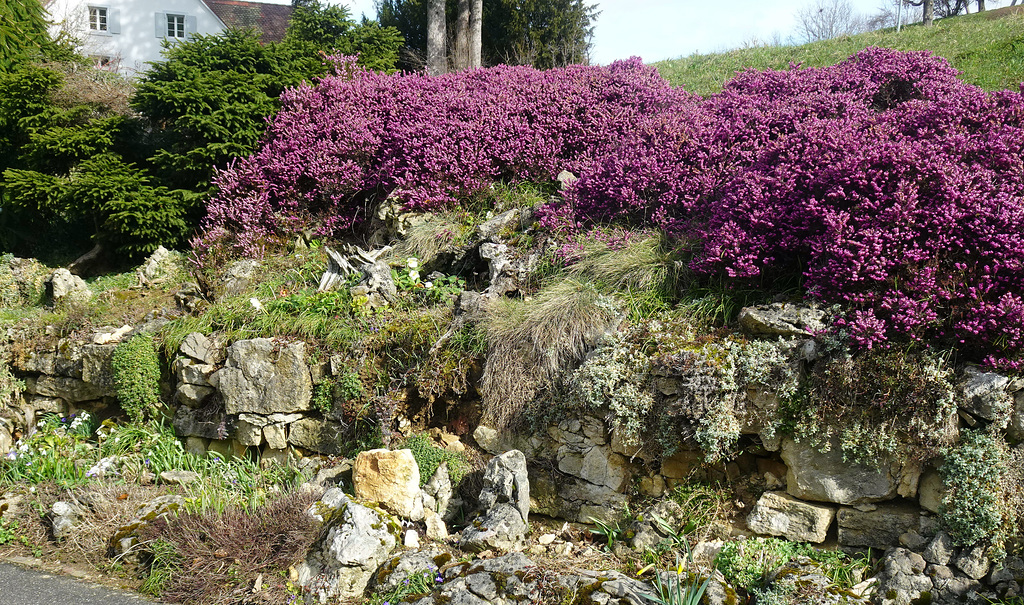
(257, 395)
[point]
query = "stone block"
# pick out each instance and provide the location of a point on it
(263, 377)
(880, 528)
(826, 477)
(779, 514)
(390, 478)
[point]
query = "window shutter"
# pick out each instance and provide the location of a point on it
(190, 26)
(114, 20)
(161, 25)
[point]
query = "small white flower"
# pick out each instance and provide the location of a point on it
(428, 285)
(412, 262)
(256, 304)
(414, 275)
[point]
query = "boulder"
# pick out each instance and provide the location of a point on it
(508, 272)
(237, 279)
(779, 514)
(63, 286)
(1015, 428)
(510, 219)
(984, 394)
(161, 265)
(879, 528)
(973, 562)
(390, 478)
(941, 549)
(931, 491)
(826, 477)
(262, 376)
(437, 491)
(178, 477)
(321, 436)
(96, 366)
(357, 540)
(201, 348)
(782, 319)
(505, 502)
(902, 578)
(192, 395)
(161, 506)
(73, 390)
(65, 516)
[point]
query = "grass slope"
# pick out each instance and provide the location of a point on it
(988, 48)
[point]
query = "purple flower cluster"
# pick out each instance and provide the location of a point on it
(425, 141)
(883, 183)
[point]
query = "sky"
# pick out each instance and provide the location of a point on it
(667, 29)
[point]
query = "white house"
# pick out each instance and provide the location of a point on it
(124, 35)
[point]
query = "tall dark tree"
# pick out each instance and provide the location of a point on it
(543, 33)
(22, 31)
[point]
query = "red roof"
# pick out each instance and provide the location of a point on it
(270, 19)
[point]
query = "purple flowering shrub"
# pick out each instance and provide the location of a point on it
(424, 140)
(883, 183)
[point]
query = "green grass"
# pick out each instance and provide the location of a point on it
(987, 47)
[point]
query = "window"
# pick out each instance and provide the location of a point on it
(176, 26)
(97, 18)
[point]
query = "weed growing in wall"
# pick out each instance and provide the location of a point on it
(429, 456)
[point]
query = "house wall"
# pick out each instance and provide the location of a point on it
(131, 40)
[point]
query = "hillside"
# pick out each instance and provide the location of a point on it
(988, 49)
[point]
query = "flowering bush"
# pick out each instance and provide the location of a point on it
(883, 183)
(424, 140)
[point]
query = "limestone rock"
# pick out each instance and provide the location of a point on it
(63, 286)
(779, 514)
(357, 541)
(237, 279)
(782, 319)
(161, 265)
(390, 478)
(161, 506)
(437, 491)
(973, 562)
(178, 477)
(826, 477)
(931, 491)
(264, 377)
(940, 550)
(505, 500)
(436, 529)
(321, 436)
(207, 422)
(1015, 428)
(654, 525)
(65, 517)
(197, 374)
(902, 578)
(248, 434)
(508, 273)
(510, 219)
(192, 395)
(73, 390)
(200, 348)
(984, 394)
(879, 528)
(96, 367)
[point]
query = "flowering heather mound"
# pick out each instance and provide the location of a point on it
(883, 183)
(426, 140)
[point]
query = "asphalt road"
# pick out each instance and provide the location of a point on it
(20, 586)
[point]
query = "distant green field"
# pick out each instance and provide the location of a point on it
(988, 48)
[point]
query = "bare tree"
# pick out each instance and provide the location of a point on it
(462, 50)
(437, 38)
(476, 29)
(891, 11)
(826, 19)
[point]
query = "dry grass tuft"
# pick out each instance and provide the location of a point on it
(531, 342)
(643, 264)
(428, 239)
(219, 557)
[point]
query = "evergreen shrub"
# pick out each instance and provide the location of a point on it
(136, 368)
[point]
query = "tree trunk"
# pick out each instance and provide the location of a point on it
(476, 20)
(462, 47)
(981, 6)
(437, 52)
(929, 13)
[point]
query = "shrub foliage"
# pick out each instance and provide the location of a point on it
(882, 183)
